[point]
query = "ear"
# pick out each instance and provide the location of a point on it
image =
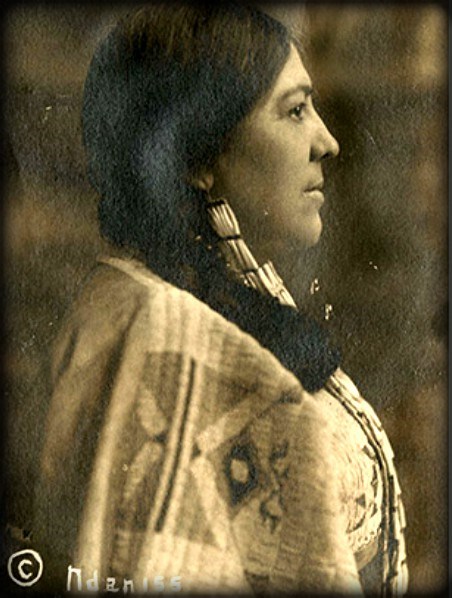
(203, 181)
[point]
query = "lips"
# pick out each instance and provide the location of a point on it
(315, 193)
(318, 186)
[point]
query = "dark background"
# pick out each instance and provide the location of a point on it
(380, 73)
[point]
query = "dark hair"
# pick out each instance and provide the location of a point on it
(164, 92)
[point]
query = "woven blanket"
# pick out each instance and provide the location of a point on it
(179, 452)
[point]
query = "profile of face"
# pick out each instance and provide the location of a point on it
(271, 171)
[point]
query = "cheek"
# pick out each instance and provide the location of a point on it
(263, 179)
(257, 167)
(278, 163)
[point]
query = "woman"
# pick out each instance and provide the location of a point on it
(201, 434)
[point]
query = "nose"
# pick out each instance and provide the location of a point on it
(324, 145)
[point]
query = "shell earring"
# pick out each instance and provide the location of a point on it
(238, 256)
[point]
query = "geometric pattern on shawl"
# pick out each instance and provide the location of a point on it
(223, 490)
(197, 413)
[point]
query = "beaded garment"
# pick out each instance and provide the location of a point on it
(370, 488)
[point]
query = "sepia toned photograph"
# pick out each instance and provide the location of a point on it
(226, 298)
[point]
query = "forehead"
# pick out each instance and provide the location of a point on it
(292, 75)
(292, 78)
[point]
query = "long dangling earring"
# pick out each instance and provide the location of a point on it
(238, 256)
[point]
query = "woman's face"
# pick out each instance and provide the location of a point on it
(271, 172)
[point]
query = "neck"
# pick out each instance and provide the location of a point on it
(295, 265)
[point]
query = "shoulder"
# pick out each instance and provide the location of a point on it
(123, 299)
(103, 310)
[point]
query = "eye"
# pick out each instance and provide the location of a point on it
(298, 111)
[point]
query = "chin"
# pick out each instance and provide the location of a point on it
(310, 235)
(288, 241)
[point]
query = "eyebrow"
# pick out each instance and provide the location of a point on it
(306, 89)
